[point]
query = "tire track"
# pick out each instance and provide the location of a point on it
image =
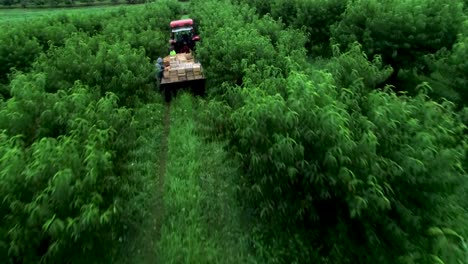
(143, 249)
(162, 171)
(151, 256)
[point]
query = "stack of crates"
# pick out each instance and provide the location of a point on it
(181, 73)
(173, 75)
(173, 65)
(181, 67)
(189, 71)
(197, 71)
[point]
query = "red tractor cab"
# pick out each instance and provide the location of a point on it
(183, 35)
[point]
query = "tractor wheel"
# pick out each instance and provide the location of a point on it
(198, 88)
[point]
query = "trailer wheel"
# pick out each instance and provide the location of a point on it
(167, 95)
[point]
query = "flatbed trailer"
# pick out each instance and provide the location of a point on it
(182, 71)
(166, 81)
(197, 86)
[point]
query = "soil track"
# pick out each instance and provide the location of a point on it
(153, 236)
(162, 169)
(167, 126)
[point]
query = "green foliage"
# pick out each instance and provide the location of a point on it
(17, 49)
(448, 70)
(337, 171)
(75, 170)
(230, 58)
(262, 7)
(400, 31)
(353, 65)
(63, 3)
(335, 167)
(229, 53)
(113, 68)
(308, 161)
(64, 191)
(314, 17)
(73, 178)
(147, 29)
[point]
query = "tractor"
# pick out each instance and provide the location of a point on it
(183, 36)
(181, 69)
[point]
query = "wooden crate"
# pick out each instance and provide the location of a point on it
(167, 61)
(188, 67)
(196, 67)
(181, 57)
(181, 71)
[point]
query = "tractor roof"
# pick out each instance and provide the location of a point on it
(181, 29)
(182, 23)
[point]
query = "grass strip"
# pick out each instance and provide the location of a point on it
(202, 219)
(138, 246)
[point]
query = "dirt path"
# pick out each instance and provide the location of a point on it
(162, 171)
(141, 244)
(145, 251)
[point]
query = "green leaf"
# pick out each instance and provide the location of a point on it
(435, 231)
